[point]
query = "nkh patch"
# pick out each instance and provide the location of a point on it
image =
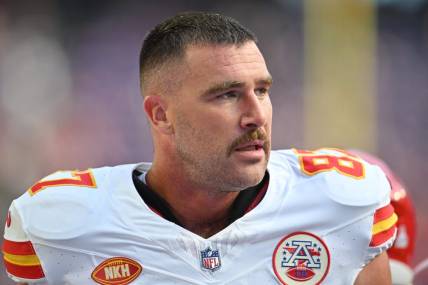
(301, 258)
(210, 259)
(116, 270)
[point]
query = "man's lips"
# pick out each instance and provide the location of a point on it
(253, 142)
(250, 146)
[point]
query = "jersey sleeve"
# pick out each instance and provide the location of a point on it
(20, 259)
(384, 228)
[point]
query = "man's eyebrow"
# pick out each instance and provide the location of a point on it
(221, 87)
(265, 81)
(224, 86)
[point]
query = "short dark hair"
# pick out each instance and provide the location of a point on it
(169, 39)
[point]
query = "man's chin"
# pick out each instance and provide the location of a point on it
(246, 178)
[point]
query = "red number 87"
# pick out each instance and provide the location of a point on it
(78, 178)
(312, 163)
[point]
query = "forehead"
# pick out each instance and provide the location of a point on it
(207, 64)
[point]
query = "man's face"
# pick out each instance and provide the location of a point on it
(222, 116)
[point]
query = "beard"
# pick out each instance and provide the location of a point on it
(209, 164)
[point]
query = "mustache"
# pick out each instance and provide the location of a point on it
(257, 134)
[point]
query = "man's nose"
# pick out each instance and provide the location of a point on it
(253, 111)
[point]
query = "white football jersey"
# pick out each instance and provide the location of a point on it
(325, 214)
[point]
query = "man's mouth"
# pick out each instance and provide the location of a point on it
(250, 146)
(254, 143)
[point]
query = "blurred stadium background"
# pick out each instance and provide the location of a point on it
(348, 73)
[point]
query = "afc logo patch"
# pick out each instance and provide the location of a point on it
(301, 258)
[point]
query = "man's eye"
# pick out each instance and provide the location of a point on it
(228, 95)
(261, 91)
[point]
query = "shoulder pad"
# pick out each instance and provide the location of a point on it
(283, 160)
(64, 204)
(18, 251)
(14, 229)
(373, 189)
(344, 178)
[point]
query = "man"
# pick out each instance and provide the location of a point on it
(216, 206)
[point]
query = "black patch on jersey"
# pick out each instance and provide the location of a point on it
(152, 199)
(246, 197)
(156, 202)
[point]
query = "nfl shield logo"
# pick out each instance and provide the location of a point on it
(210, 259)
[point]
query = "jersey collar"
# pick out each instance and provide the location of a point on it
(247, 199)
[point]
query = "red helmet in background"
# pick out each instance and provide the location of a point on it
(402, 251)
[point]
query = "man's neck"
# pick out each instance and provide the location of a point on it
(201, 211)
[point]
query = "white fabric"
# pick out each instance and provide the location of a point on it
(401, 273)
(73, 229)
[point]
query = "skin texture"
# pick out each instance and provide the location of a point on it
(377, 272)
(221, 103)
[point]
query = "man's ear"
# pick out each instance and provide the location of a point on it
(155, 108)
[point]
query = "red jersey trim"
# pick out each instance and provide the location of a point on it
(382, 237)
(20, 260)
(27, 272)
(383, 213)
(384, 225)
(18, 247)
(258, 198)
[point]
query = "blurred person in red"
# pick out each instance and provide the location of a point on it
(402, 252)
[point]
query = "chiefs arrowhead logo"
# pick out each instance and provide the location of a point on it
(116, 271)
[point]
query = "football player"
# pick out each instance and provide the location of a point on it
(216, 206)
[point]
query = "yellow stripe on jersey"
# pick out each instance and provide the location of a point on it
(384, 224)
(24, 260)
